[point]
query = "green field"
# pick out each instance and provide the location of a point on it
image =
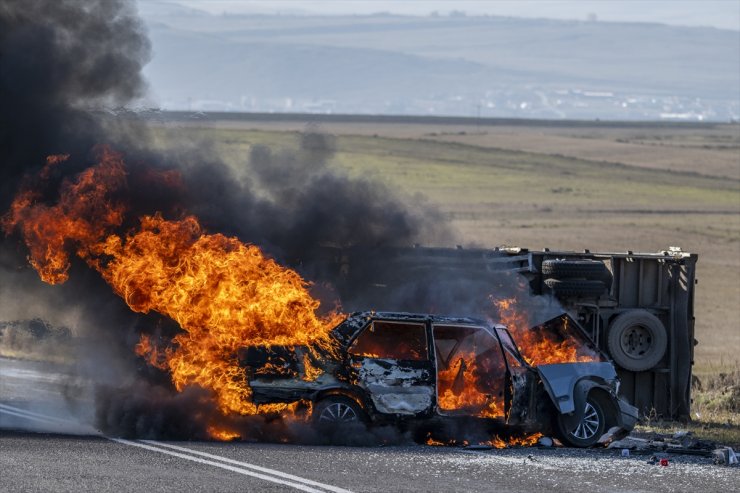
(495, 196)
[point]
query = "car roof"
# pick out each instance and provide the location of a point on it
(357, 320)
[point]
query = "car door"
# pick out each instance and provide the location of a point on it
(471, 372)
(521, 381)
(390, 361)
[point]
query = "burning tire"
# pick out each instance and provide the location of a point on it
(592, 270)
(637, 340)
(337, 411)
(591, 426)
(576, 287)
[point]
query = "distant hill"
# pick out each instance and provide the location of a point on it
(489, 66)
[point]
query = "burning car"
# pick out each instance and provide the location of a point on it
(402, 367)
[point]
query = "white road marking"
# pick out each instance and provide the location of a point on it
(23, 413)
(245, 468)
(251, 466)
(239, 470)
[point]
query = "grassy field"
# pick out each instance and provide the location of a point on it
(495, 190)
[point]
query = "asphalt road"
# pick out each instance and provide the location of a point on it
(44, 461)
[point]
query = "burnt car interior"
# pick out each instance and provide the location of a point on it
(392, 340)
(470, 371)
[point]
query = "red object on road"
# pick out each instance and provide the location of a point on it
(664, 462)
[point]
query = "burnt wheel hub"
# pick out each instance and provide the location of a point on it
(338, 413)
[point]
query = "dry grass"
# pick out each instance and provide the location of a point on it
(712, 150)
(715, 410)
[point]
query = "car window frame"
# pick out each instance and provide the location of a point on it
(427, 334)
(505, 377)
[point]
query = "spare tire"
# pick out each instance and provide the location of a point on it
(576, 288)
(577, 269)
(637, 340)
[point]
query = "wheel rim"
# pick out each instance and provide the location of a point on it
(338, 413)
(636, 341)
(589, 425)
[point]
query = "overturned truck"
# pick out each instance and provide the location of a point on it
(638, 308)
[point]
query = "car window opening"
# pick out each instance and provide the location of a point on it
(470, 371)
(392, 340)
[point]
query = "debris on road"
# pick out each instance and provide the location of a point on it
(724, 456)
(661, 447)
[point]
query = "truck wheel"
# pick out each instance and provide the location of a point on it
(593, 270)
(576, 287)
(637, 340)
(591, 427)
(337, 411)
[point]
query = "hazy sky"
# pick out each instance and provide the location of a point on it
(723, 14)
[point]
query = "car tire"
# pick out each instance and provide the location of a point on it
(592, 425)
(591, 270)
(576, 288)
(637, 340)
(338, 411)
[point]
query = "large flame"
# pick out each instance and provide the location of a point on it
(223, 293)
(464, 387)
(540, 347)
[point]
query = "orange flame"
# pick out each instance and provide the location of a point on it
(459, 389)
(496, 442)
(514, 441)
(82, 218)
(224, 294)
(539, 347)
(433, 442)
(310, 372)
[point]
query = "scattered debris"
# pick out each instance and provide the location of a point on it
(546, 442)
(724, 456)
(630, 443)
(661, 447)
(614, 433)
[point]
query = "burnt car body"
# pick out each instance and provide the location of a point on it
(419, 368)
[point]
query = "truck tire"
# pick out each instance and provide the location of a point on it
(637, 340)
(593, 270)
(576, 288)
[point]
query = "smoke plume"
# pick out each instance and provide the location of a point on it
(64, 65)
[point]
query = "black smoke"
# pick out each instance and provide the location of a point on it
(58, 60)
(65, 66)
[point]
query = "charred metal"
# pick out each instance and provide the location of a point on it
(427, 371)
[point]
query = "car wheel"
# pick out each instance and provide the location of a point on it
(589, 429)
(637, 340)
(337, 411)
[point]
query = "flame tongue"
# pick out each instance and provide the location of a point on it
(83, 215)
(540, 347)
(223, 294)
